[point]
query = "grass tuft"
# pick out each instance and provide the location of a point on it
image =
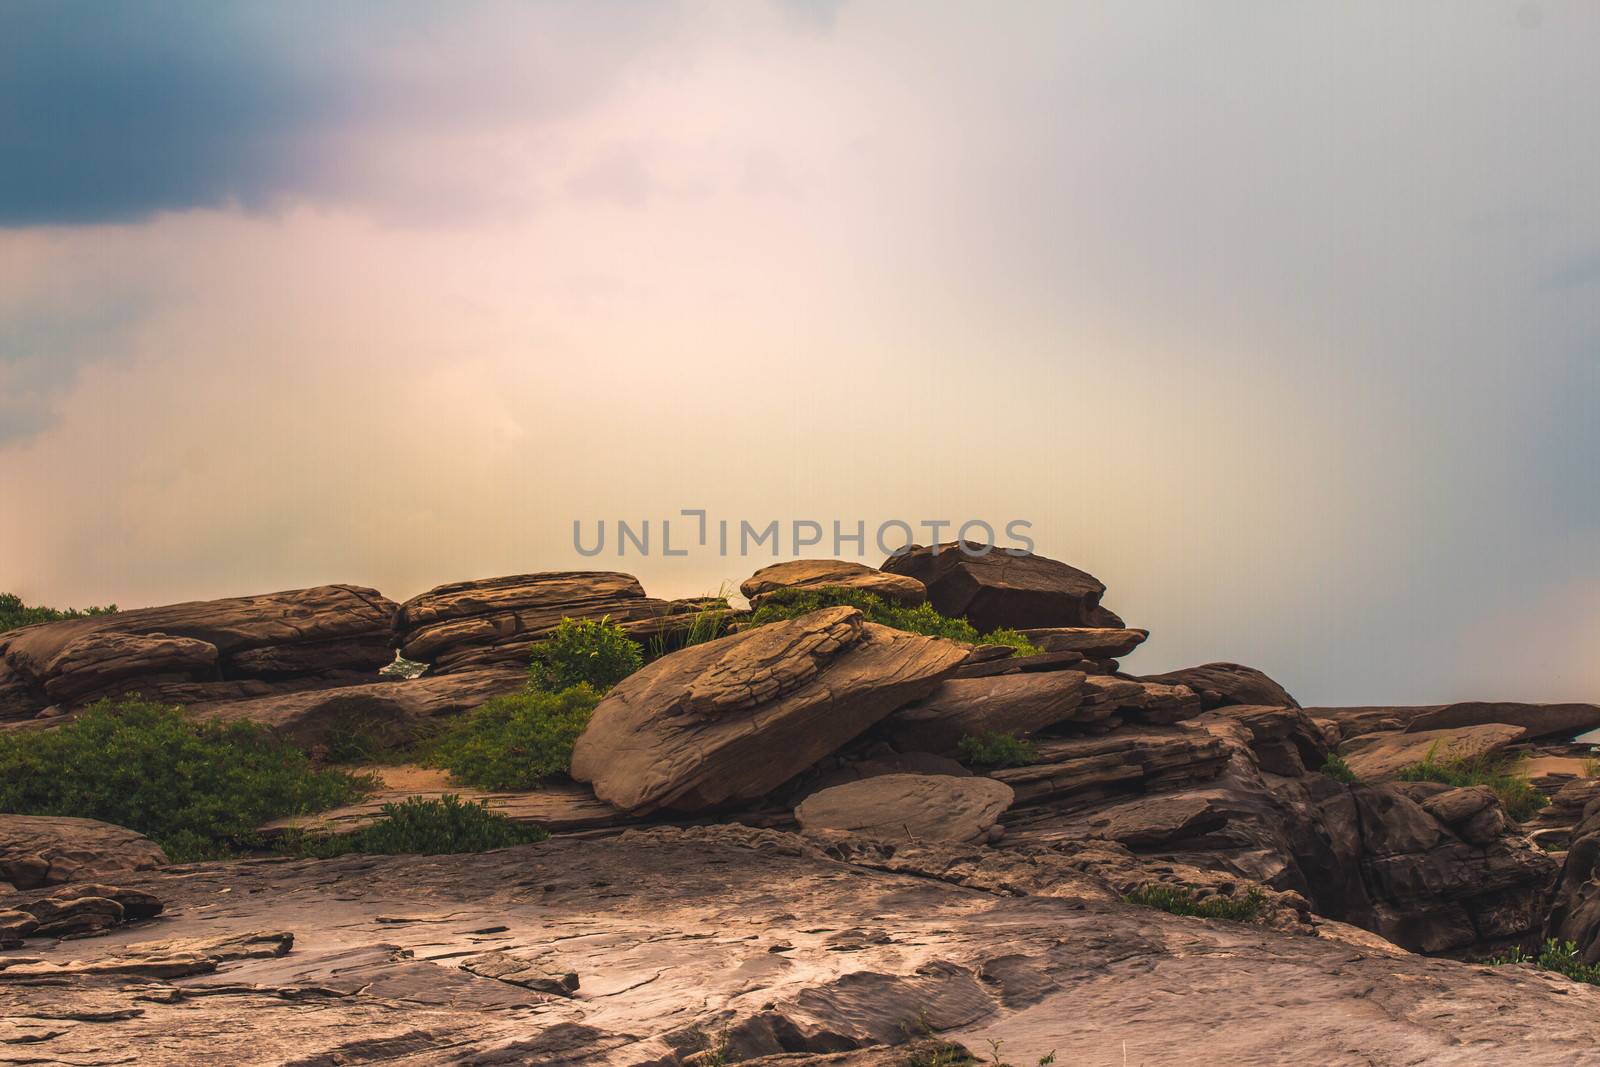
(518, 740)
(1337, 769)
(1562, 957)
(422, 827)
(1180, 901)
(783, 604)
(997, 750)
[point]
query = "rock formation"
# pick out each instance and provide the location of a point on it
(38, 850)
(991, 588)
(823, 573)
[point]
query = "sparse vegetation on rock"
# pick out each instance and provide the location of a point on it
(198, 789)
(447, 825)
(1337, 769)
(1517, 795)
(1180, 901)
(1562, 957)
(781, 604)
(997, 750)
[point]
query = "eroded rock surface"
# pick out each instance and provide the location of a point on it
(914, 807)
(1382, 756)
(750, 943)
(1221, 684)
(39, 850)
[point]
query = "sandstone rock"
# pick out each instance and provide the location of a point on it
(674, 933)
(496, 621)
(1575, 911)
(38, 850)
(15, 926)
(822, 573)
(98, 664)
(391, 711)
(1083, 771)
(558, 807)
(1539, 720)
(1382, 756)
(1221, 684)
(1017, 704)
(1473, 813)
(988, 666)
(1139, 701)
(299, 632)
(733, 718)
(1093, 642)
(997, 589)
(74, 916)
(522, 971)
(1286, 741)
(915, 807)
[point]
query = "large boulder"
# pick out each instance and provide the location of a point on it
(991, 588)
(1575, 915)
(293, 635)
(734, 718)
(497, 621)
(1382, 756)
(38, 850)
(1221, 684)
(826, 573)
(909, 807)
(390, 712)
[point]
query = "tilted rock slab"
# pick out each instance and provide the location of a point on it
(1096, 642)
(496, 621)
(827, 573)
(288, 635)
(996, 589)
(909, 807)
(1382, 756)
(38, 850)
(1017, 704)
(732, 719)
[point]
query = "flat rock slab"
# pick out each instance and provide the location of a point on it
(1092, 641)
(1382, 756)
(1221, 684)
(1017, 704)
(909, 807)
(558, 808)
(1539, 720)
(760, 943)
(825, 573)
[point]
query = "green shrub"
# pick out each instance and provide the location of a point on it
(596, 652)
(14, 613)
(997, 750)
(197, 788)
(1516, 793)
(424, 827)
(1562, 957)
(783, 604)
(1181, 901)
(1337, 769)
(518, 740)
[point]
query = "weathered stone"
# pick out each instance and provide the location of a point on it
(15, 926)
(73, 916)
(1221, 684)
(1093, 642)
(300, 632)
(136, 904)
(38, 850)
(1285, 741)
(1538, 720)
(1380, 757)
(391, 712)
(733, 718)
(496, 621)
(1138, 701)
(756, 943)
(558, 807)
(991, 665)
(997, 589)
(914, 807)
(1017, 704)
(521, 971)
(1081, 771)
(824, 573)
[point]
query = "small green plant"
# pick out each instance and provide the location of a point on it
(14, 614)
(199, 789)
(782, 604)
(371, 741)
(1516, 793)
(1181, 901)
(517, 740)
(596, 652)
(1562, 957)
(423, 827)
(707, 622)
(1591, 767)
(997, 750)
(1339, 770)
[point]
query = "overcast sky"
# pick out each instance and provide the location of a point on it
(1283, 319)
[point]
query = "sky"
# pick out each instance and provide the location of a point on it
(1283, 319)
